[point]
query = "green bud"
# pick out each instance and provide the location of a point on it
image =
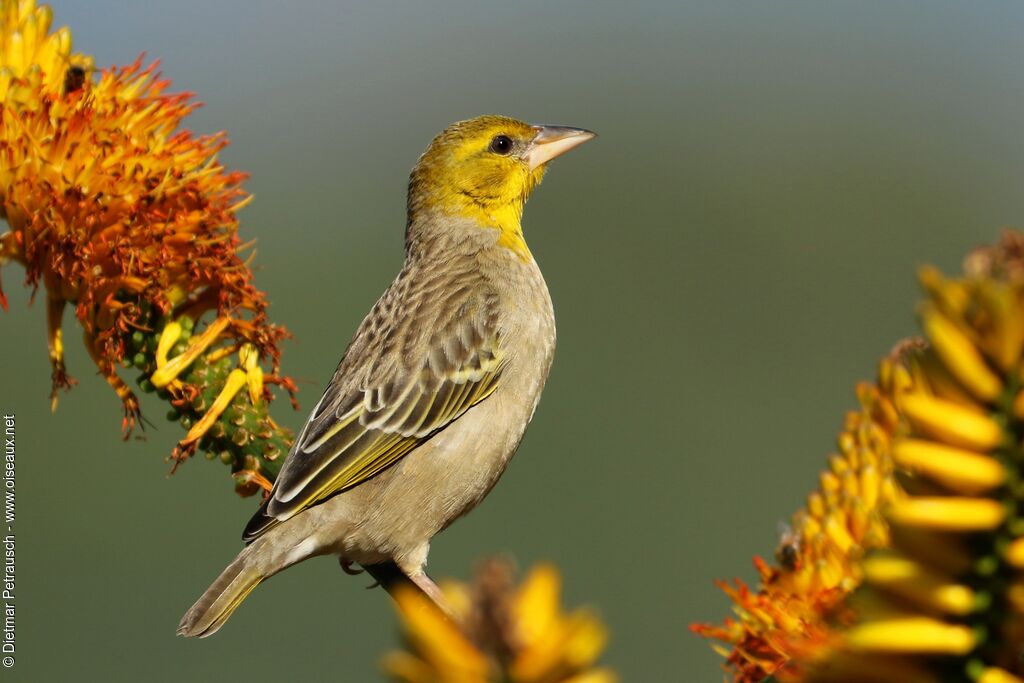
(987, 565)
(975, 667)
(1016, 527)
(980, 633)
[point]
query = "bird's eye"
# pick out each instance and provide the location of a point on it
(501, 144)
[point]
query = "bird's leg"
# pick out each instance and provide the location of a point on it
(412, 566)
(390, 575)
(433, 591)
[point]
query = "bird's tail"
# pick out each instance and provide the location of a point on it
(225, 594)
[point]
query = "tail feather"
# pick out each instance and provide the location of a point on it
(211, 610)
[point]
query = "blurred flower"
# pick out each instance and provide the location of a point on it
(498, 633)
(115, 210)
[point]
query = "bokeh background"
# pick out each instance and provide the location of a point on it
(731, 255)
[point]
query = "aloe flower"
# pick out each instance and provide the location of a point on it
(116, 210)
(924, 547)
(500, 633)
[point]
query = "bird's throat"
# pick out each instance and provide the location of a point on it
(507, 220)
(501, 213)
(504, 216)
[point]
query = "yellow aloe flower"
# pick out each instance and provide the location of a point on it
(498, 633)
(935, 590)
(950, 608)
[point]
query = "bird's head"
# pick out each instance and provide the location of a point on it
(485, 168)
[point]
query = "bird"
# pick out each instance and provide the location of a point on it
(438, 385)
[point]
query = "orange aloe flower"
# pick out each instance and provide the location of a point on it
(818, 560)
(116, 210)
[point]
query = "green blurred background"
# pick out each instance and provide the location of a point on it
(731, 255)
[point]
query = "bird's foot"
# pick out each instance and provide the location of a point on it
(346, 566)
(432, 591)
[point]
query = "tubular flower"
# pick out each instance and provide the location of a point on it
(113, 209)
(498, 633)
(818, 560)
(946, 601)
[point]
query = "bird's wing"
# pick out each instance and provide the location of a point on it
(398, 384)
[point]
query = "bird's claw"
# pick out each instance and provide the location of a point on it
(346, 566)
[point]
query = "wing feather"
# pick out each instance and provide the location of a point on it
(378, 408)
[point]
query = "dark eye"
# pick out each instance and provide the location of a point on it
(501, 144)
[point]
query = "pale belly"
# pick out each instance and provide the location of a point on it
(394, 515)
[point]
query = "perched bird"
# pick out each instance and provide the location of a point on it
(435, 391)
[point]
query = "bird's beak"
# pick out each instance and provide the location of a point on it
(553, 141)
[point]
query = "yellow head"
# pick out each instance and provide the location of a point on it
(485, 168)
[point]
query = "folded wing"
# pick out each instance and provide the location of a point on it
(398, 385)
